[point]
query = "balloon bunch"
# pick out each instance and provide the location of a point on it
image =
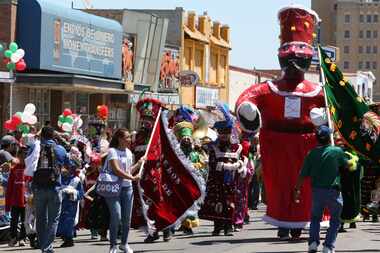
(22, 120)
(102, 112)
(14, 58)
(68, 121)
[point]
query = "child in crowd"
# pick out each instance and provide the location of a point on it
(15, 198)
(72, 193)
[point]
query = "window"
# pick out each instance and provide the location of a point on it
(369, 18)
(368, 34)
(347, 18)
(375, 34)
(360, 50)
(374, 65)
(368, 49)
(198, 63)
(374, 49)
(361, 18)
(360, 65)
(367, 65)
(346, 34)
(375, 18)
(361, 34)
(346, 65)
(346, 49)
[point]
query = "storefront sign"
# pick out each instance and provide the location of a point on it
(67, 40)
(167, 99)
(206, 97)
(188, 78)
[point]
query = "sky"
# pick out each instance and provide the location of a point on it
(253, 23)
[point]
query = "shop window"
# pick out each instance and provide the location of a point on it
(346, 49)
(346, 65)
(41, 99)
(199, 66)
(213, 67)
(82, 105)
(346, 34)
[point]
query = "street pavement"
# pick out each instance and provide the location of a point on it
(256, 237)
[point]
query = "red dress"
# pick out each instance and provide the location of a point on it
(15, 195)
(286, 136)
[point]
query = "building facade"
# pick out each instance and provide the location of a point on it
(353, 26)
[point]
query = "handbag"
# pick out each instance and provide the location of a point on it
(108, 185)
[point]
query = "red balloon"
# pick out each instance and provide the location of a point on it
(21, 65)
(16, 120)
(9, 125)
(67, 112)
(102, 112)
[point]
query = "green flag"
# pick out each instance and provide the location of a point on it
(359, 127)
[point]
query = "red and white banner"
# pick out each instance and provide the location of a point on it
(169, 184)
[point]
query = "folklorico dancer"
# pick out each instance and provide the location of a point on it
(282, 109)
(225, 164)
(148, 109)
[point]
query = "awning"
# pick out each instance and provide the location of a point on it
(220, 42)
(196, 35)
(71, 82)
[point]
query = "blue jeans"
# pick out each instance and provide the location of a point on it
(48, 209)
(120, 210)
(332, 199)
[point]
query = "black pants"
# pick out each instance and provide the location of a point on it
(18, 215)
(222, 225)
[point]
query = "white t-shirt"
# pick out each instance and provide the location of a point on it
(125, 159)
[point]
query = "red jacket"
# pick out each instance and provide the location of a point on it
(15, 195)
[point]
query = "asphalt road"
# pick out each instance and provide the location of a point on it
(256, 237)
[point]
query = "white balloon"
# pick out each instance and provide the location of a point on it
(30, 108)
(25, 117)
(15, 58)
(67, 127)
(20, 52)
(78, 122)
(32, 120)
(59, 124)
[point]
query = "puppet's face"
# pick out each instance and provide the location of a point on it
(146, 125)
(186, 142)
(295, 57)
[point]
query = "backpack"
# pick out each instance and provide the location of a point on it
(48, 171)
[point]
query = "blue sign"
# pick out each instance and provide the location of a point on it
(330, 51)
(61, 39)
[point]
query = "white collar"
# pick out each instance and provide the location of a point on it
(312, 93)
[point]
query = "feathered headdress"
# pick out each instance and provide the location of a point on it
(228, 121)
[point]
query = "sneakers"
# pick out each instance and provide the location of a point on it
(151, 238)
(67, 243)
(21, 243)
(12, 242)
(167, 235)
(113, 249)
(125, 248)
(327, 250)
(313, 248)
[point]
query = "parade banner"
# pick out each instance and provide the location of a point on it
(358, 126)
(169, 184)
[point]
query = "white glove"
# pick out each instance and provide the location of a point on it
(318, 116)
(248, 111)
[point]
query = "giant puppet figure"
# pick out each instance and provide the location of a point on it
(282, 109)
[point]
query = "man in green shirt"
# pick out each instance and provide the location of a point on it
(322, 165)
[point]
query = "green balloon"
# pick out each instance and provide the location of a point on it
(11, 66)
(13, 47)
(23, 128)
(8, 53)
(1, 48)
(69, 120)
(61, 118)
(19, 114)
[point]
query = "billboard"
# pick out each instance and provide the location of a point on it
(67, 40)
(128, 60)
(169, 69)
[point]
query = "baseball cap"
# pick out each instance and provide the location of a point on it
(323, 131)
(7, 140)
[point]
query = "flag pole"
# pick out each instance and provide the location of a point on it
(322, 73)
(150, 141)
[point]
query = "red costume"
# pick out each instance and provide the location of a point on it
(282, 109)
